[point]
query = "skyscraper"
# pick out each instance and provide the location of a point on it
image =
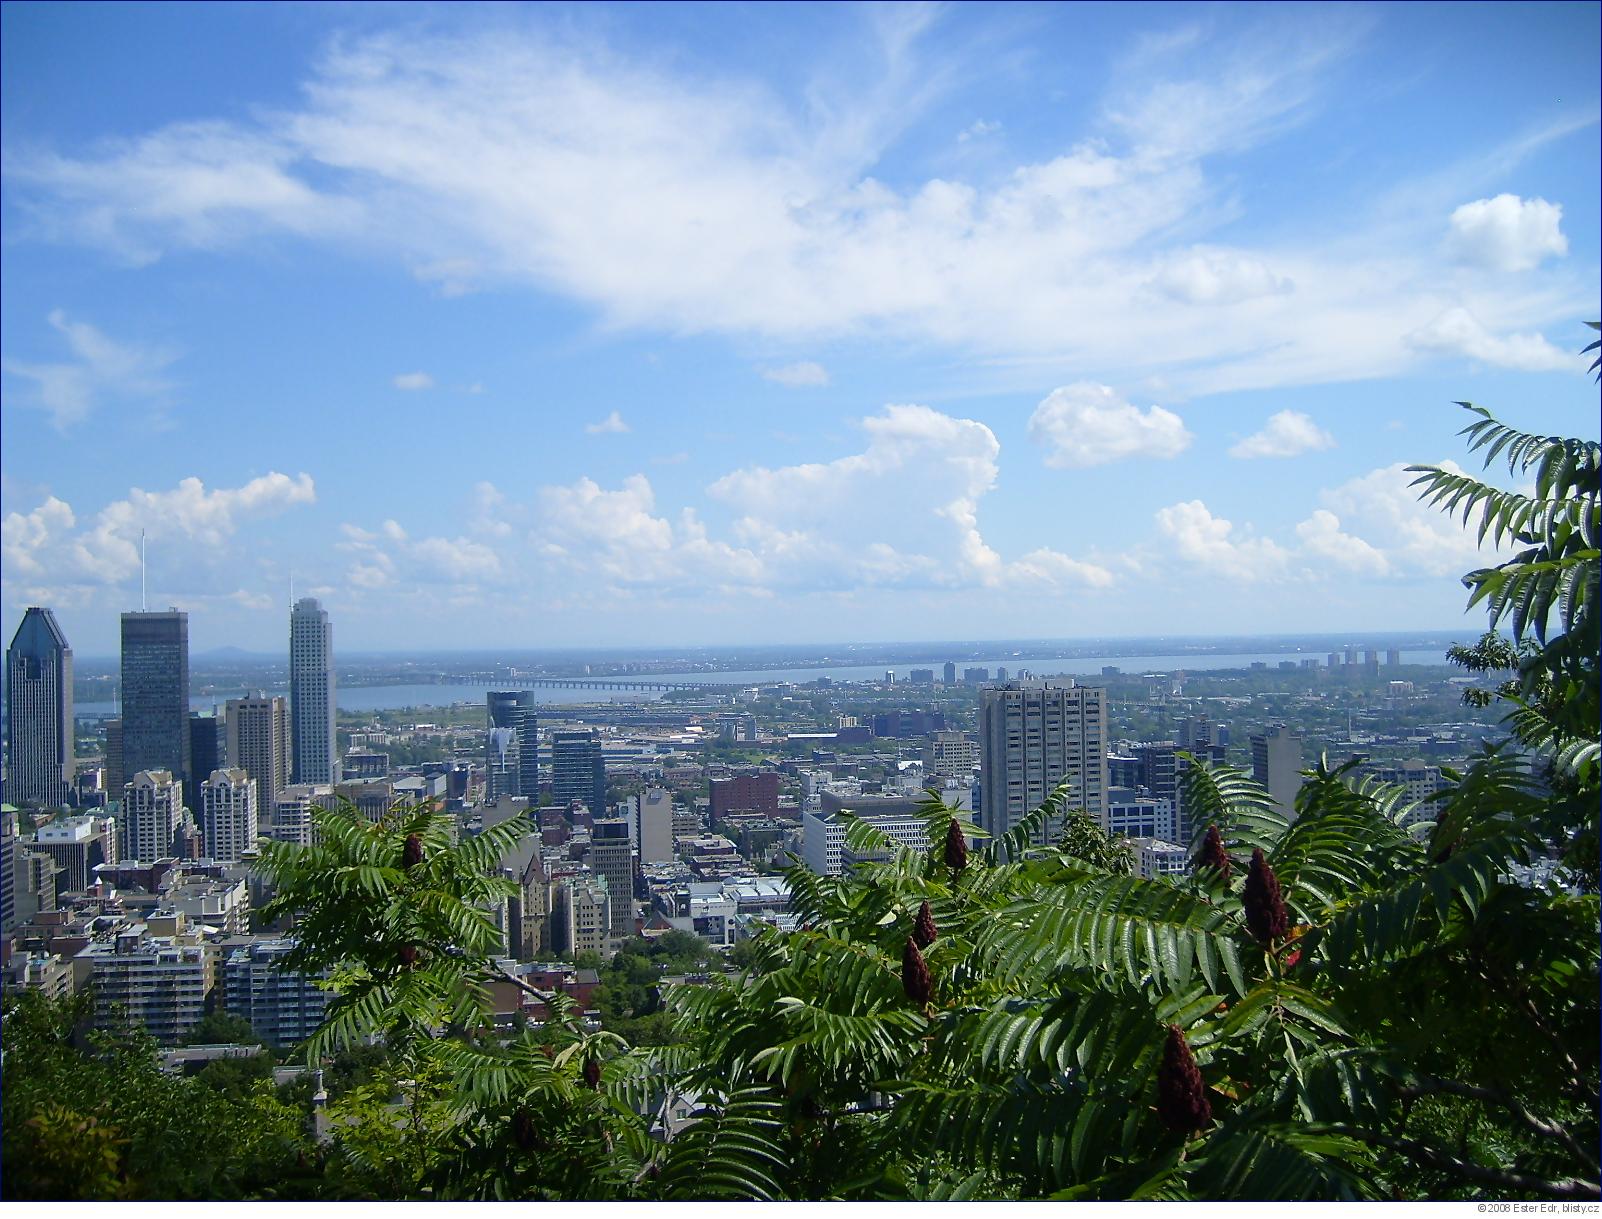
(1033, 735)
(612, 857)
(578, 770)
(258, 742)
(155, 694)
(1277, 765)
(512, 762)
(228, 816)
(313, 757)
(39, 761)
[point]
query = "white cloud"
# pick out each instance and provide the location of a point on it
(103, 367)
(1415, 539)
(865, 520)
(1208, 276)
(978, 130)
(610, 426)
(1508, 233)
(1286, 434)
(1459, 332)
(1322, 540)
(189, 527)
(1372, 526)
(513, 158)
(1088, 425)
(1210, 541)
(27, 536)
(804, 373)
(413, 381)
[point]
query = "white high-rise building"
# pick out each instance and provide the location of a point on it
(1277, 765)
(228, 814)
(152, 810)
(654, 825)
(313, 758)
(257, 731)
(1033, 735)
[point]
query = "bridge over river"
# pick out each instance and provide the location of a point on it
(645, 683)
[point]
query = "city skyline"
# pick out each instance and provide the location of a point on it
(695, 325)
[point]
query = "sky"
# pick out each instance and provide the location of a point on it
(640, 325)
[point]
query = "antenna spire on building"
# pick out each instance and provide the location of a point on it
(143, 605)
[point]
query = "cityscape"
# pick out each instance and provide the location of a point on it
(800, 603)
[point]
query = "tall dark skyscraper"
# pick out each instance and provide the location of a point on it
(39, 762)
(155, 694)
(313, 756)
(519, 775)
(578, 770)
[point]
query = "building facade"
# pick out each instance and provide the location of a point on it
(745, 793)
(512, 744)
(653, 815)
(152, 815)
(39, 725)
(157, 982)
(292, 814)
(1034, 735)
(612, 859)
(312, 752)
(228, 814)
(155, 695)
(79, 845)
(578, 770)
(1277, 765)
(257, 730)
(283, 1006)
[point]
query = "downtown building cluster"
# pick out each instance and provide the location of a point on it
(637, 821)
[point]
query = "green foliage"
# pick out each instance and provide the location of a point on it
(98, 1119)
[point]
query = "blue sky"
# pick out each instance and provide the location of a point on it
(635, 325)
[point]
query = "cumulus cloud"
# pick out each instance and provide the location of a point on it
(1508, 233)
(1208, 276)
(518, 158)
(902, 512)
(1089, 425)
(804, 373)
(1459, 332)
(612, 425)
(1416, 540)
(1198, 536)
(1323, 541)
(190, 524)
(1372, 526)
(413, 381)
(389, 557)
(101, 367)
(1284, 435)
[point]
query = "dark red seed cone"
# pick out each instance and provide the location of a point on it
(1265, 908)
(592, 1074)
(1181, 1094)
(412, 853)
(523, 1132)
(408, 956)
(956, 846)
(1212, 854)
(915, 979)
(923, 931)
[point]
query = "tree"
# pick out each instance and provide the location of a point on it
(1546, 595)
